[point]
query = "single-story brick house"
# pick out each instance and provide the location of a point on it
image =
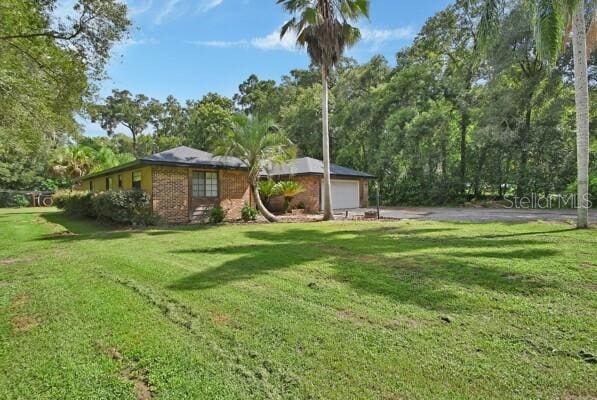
(184, 182)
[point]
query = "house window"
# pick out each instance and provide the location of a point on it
(109, 183)
(119, 181)
(205, 184)
(91, 186)
(137, 180)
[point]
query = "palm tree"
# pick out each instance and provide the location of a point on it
(289, 189)
(323, 27)
(552, 21)
(267, 190)
(73, 162)
(259, 143)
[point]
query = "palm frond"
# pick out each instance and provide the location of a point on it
(289, 25)
(549, 27)
(489, 23)
(323, 26)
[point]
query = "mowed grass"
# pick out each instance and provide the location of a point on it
(339, 310)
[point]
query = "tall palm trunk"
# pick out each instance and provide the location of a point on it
(328, 213)
(264, 211)
(582, 114)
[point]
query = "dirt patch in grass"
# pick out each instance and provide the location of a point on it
(130, 371)
(20, 300)
(406, 323)
(351, 316)
(23, 323)
(143, 390)
(220, 319)
(11, 261)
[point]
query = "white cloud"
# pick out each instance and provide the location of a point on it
(220, 43)
(177, 8)
(274, 42)
(268, 42)
(121, 47)
(138, 6)
(165, 11)
(379, 36)
(206, 5)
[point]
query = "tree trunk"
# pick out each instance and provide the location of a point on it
(522, 180)
(134, 135)
(264, 211)
(464, 122)
(477, 180)
(581, 95)
(328, 213)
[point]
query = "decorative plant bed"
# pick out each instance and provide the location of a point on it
(298, 211)
(370, 214)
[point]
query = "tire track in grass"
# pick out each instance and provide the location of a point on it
(258, 375)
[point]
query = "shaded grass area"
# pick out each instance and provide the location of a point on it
(317, 310)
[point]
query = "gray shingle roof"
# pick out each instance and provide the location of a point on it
(184, 155)
(308, 165)
(189, 156)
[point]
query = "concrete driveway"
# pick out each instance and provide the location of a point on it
(474, 214)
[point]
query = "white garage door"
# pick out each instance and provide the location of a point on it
(345, 194)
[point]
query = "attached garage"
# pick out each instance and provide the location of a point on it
(345, 193)
(350, 188)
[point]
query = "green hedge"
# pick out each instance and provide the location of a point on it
(11, 199)
(77, 203)
(123, 206)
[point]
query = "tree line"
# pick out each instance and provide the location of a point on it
(455, 117)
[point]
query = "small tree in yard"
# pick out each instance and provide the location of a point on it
(289, 189)
(267, 190)
(259, 143)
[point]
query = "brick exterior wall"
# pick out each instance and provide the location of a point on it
(310, 197)
(234, 192)
(170, 194)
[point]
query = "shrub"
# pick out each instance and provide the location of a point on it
(289, 189)
(123, 206)
(11, 199)
(248, 213)
(267, 190)
(216, 214)
(75, 203)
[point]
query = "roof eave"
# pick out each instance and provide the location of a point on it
(143, 161)
(110, 170)
(363, 176)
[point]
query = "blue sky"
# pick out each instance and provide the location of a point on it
(188, 48)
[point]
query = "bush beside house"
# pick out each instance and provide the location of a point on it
(123, 206)
(75, 203)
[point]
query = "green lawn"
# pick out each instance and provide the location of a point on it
(336, 310)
